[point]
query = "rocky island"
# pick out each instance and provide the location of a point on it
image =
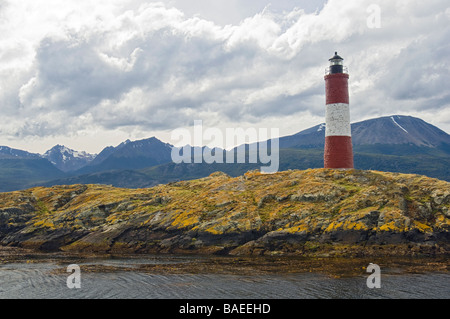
(316, 212)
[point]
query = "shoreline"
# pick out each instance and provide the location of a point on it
(165, 264)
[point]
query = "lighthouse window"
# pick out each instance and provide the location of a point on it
(337, 62)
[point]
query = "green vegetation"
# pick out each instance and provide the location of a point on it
(22, 173)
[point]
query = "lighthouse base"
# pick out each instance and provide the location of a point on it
(338, 152)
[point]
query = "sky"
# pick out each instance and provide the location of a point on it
(89, 74)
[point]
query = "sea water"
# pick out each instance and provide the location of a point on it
(122, 278)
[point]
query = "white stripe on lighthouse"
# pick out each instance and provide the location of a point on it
(338, 120)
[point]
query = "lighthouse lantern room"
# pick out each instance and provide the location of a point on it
(336, 64)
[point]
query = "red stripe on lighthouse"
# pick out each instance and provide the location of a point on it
(338, 152)
(337, 88)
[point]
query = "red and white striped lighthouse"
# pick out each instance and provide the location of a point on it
(338, 136)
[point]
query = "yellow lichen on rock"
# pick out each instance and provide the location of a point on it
(279, 212)
(185, 219)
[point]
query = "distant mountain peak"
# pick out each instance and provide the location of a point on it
(398, 129)
(131, 155)
(7, 152)
(387, 130)
(128, 141)
(67, 159)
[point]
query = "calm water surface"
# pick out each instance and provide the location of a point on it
(123, 278)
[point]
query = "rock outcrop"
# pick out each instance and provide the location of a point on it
(312, 213)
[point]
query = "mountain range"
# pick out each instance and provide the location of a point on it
(394, 143)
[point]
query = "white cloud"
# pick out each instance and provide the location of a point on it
(67, 69)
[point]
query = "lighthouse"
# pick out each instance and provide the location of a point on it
(338, 134)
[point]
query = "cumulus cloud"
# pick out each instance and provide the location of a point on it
(149, 66)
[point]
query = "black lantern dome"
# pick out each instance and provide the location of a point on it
(336, 64)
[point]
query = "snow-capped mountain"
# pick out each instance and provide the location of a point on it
(398, 130)
(67, 159)
(388, 130)
(12, 153)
